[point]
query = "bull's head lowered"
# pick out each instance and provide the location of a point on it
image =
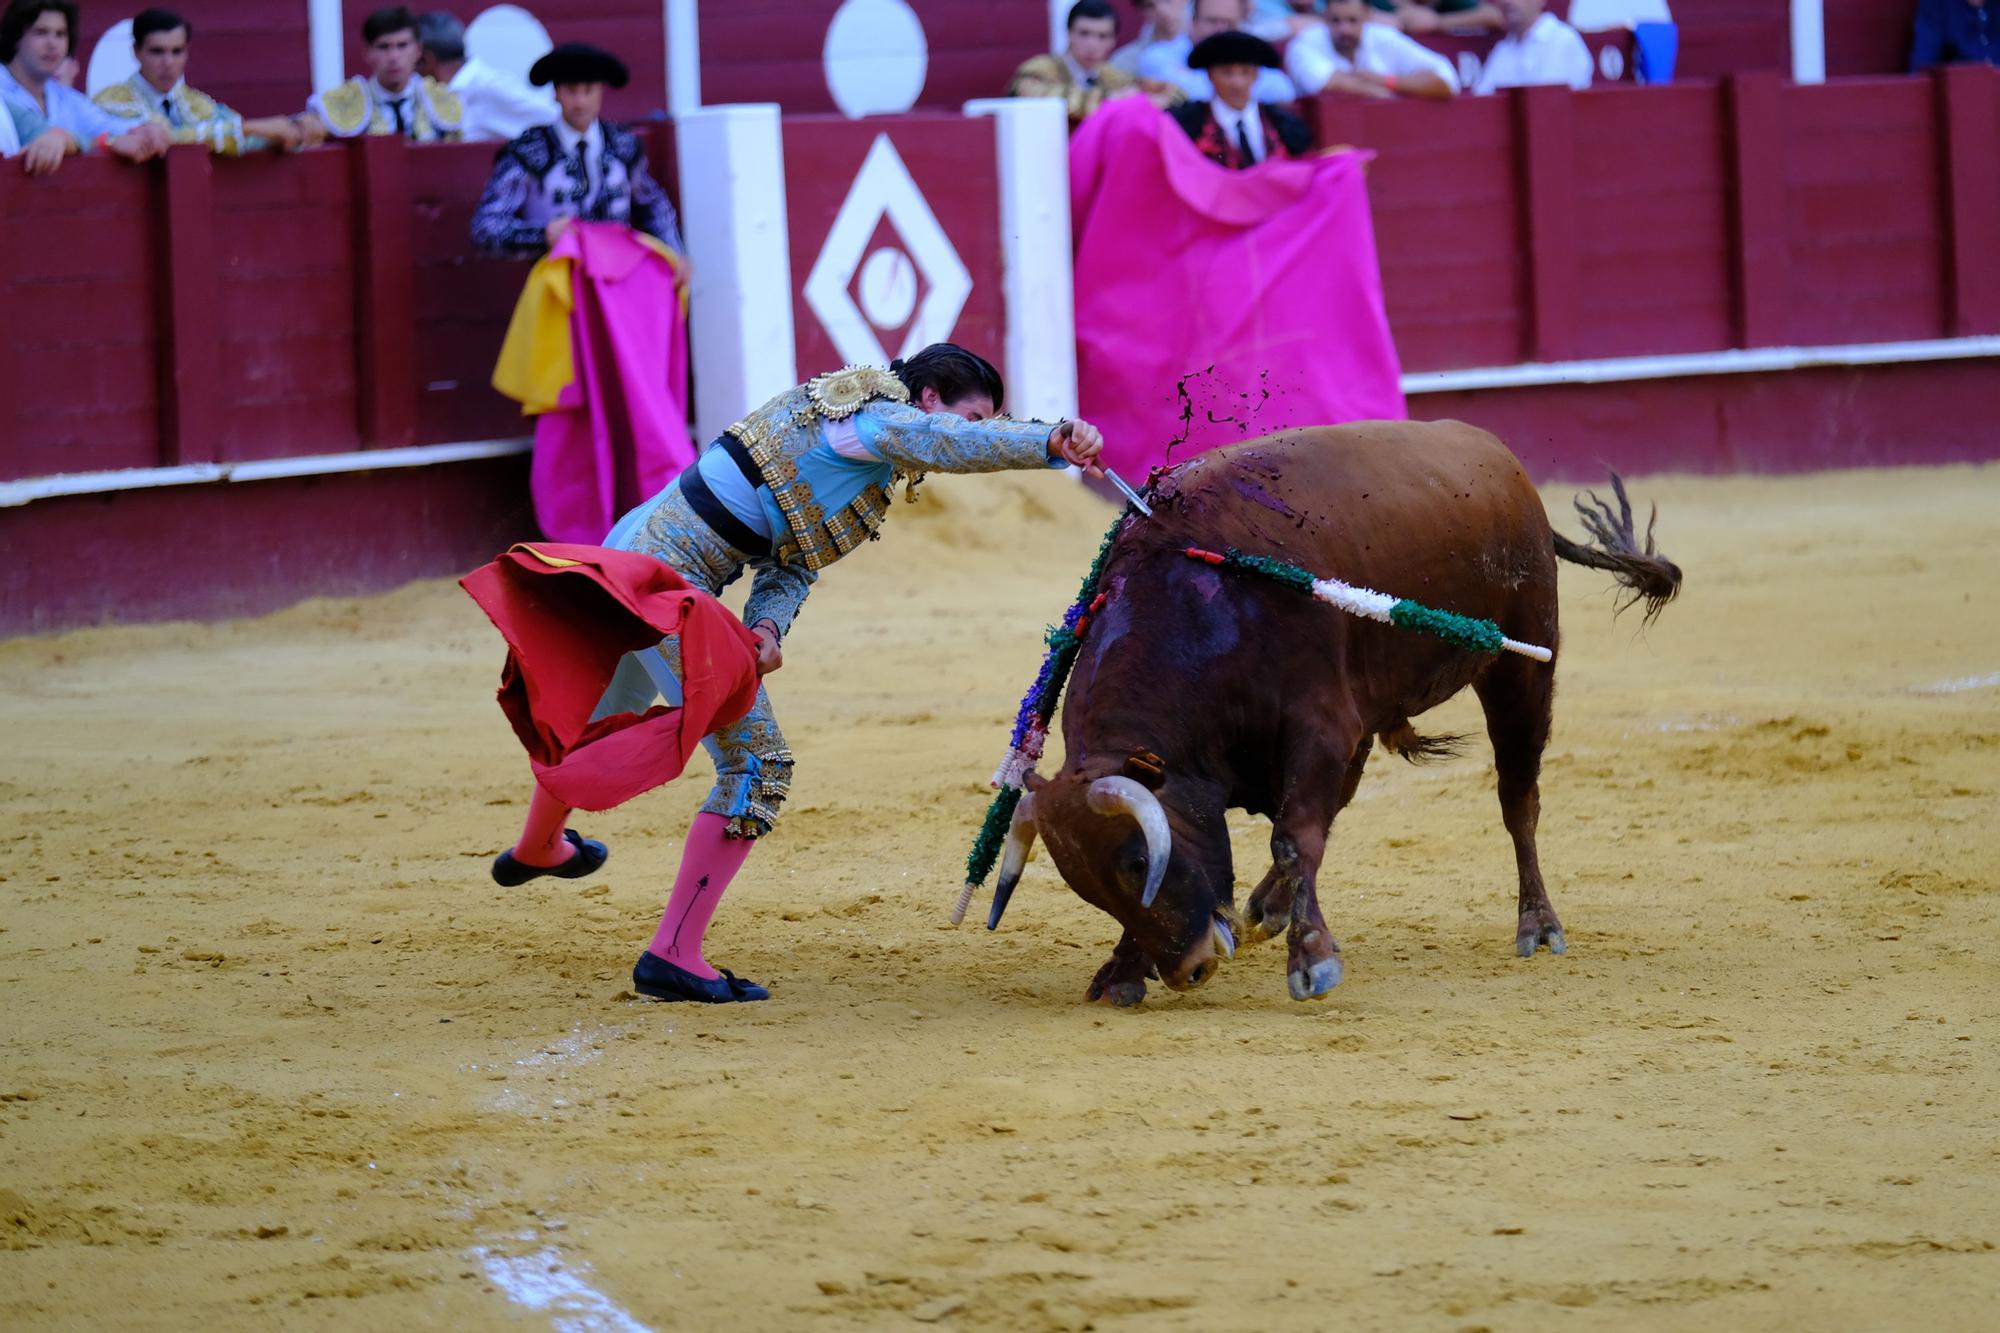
(1153, 854)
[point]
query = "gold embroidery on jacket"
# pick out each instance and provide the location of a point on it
(815, 538)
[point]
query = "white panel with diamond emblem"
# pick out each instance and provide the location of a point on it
(883, 188)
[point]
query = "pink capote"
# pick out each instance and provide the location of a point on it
(1268, 275)
(619, 433)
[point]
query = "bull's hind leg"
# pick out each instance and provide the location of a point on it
(1518, 695)
(1122, 979)
(1268, 912)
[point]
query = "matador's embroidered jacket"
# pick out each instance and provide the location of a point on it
(189, 115)
(535, 181)
(829, 453)
(424, 112)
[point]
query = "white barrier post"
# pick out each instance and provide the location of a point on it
(326, 42)
(1808, 41)
(734, 217)
(683, 31)
(1033, 141)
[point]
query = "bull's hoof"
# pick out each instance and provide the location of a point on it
(1532, 937)
(1120, 994)
(1309, 983)
(1261, 923)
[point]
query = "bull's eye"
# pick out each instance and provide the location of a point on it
(1132, 868)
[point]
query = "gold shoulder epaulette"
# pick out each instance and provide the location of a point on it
(345, 109)
(120, 100)
(841, 393)
(446, 108)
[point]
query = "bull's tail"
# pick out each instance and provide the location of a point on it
(1404, 741)
(1646, 575)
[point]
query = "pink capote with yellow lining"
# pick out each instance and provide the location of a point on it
(1268, 276)
(597, 350)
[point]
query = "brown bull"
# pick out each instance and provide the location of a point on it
(1199, 690)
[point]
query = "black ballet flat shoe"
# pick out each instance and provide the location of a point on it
(658, 979)
(510, 873)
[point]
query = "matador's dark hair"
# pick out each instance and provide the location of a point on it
(21, 16)
(1092, 9)
(954, 372)
(394, 18)
(150, 21)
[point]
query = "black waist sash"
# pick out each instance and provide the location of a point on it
(716, 514)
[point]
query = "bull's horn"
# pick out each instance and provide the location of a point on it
(1123, 796)
(1013, 857)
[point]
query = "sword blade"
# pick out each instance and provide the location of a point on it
(1129, 493)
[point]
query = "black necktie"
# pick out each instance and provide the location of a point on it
(1243, 136)
(396, 110)
(582, 179)
(168, 110)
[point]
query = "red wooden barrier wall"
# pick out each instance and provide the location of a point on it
(224, 309)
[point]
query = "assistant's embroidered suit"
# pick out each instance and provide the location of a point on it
(189, 115)
(1285, 135)
(428, 111)
(535, 180)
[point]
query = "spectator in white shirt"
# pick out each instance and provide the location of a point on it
(1349, 53)
(497, 105)
(1538, 49)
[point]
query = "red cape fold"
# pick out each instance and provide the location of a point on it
(569, 613)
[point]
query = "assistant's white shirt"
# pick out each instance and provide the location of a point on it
(497, 105)
(1311, 60)
(1550, 51)
(1229, 118)
(592, 140)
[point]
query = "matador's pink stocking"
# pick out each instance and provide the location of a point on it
(542, 843)
(708, 862)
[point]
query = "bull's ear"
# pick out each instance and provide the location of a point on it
(1147, 769)
(1033, 781)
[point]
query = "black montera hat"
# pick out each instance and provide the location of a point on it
(579, 62)
(1233, 48)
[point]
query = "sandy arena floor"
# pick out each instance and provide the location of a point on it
(277, 1052)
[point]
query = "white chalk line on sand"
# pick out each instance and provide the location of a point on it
(539, 1281)
(1959, 686)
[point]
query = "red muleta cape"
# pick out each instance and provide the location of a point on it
(569, 613)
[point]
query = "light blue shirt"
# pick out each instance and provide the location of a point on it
(1167, 61)
(68, 109)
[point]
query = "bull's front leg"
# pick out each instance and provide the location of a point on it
(1298, 845)
(1312, 962)
(1122, 980)
(1268, 912)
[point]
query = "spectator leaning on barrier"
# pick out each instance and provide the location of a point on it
(581, 167)
(36, 37)
(1350, 53)
(1233, 129)
(1165, 20)
(1170, 62)
(1443, 15)
(1278, 21)
(496, 104)
(1082, 75)
(1955, 30)
(393, 98)
(1539, 48)
(158, 94)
